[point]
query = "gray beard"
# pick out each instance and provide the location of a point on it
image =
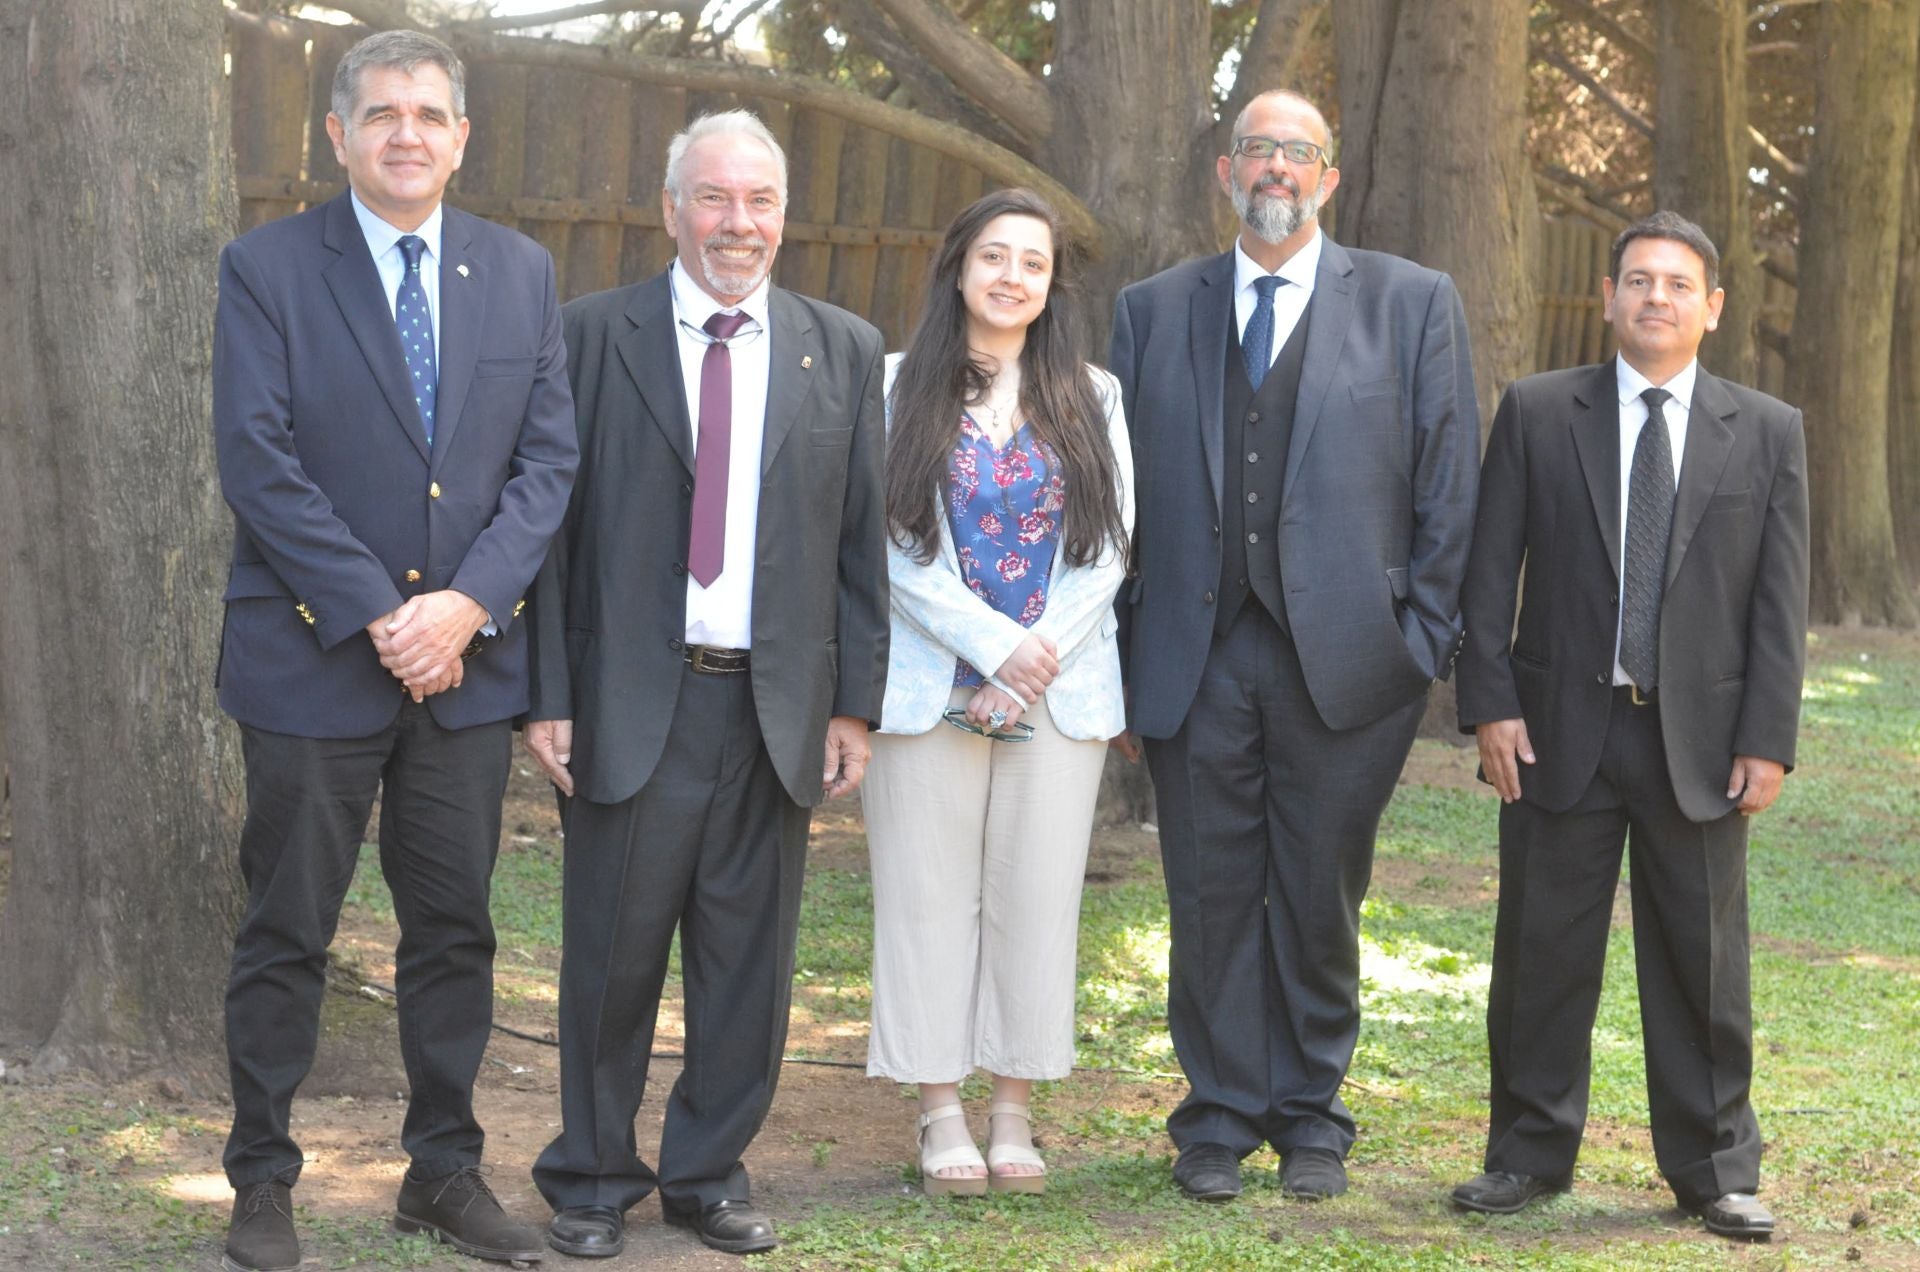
(1273, 218)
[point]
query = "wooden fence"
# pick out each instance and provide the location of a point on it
(575, 160)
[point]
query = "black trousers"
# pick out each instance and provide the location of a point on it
(308, 800)
(712, 844)
(1558, 875)
(1267, 823)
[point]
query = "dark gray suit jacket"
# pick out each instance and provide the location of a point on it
(610, 603)
(1377, 500)
(341, 509)
(1733, 620)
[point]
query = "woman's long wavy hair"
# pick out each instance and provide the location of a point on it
(938, 379)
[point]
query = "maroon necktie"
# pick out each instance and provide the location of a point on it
(707, 550)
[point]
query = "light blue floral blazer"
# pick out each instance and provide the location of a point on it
(936, 618)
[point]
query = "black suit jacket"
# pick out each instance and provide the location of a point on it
(1377, 499)
(610, 603)
(341, 509)
(1733, 619)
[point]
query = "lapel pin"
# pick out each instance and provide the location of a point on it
(460, 270)
(806, 363)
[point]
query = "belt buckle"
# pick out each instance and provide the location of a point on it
(1635, 697)
(697, 659)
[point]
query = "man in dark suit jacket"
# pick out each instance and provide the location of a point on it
(393, 430)
(1305, 435)
(709, 651)
(1652, 684)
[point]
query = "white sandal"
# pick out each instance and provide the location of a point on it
(1000, 1156)
(932, 1182)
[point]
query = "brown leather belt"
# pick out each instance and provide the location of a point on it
(711, 660)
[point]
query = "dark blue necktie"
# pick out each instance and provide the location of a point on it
(1256, 345)
(415, 320)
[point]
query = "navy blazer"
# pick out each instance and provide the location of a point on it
(341, 509)
(1377, 499)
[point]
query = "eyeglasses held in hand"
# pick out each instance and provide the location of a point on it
(1016, 732)
(1263, 148)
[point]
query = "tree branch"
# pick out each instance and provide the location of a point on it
(1572, 70)
(1272, 51)
(1779, 158)
(381, 15)
(997, 162)
(1606, 24)
(933, 93)
(1774, 8)
(993, 80)
(1582, 197)
(688, 9)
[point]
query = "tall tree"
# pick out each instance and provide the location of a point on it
(1843, 315)
(115, 153)
(1903, 389)
(1700, 150)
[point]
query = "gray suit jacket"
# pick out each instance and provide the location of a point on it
(609, 609)
(1377, 498)
(1733, 620)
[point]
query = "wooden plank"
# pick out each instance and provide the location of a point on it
(657, 113)
(593, 254)
(269, 112)
(862, 200)
(912, 195)
(330, 43)
(496, 156)
(556, 117)
(813, 195)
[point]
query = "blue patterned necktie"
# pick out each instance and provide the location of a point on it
(1649, 523)
(415, 320)
(1256, 344)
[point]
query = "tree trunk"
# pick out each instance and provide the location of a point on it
(1843, 316)
(115, 155)
(1903, 390)
(1700, 159)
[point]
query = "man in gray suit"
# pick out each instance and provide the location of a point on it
(709, 649)
(1306, 435)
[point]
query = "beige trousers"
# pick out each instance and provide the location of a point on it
(978, 849)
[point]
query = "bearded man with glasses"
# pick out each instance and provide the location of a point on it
(1304, 423)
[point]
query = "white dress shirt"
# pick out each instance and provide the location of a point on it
(1289, 301)
(1633, 417)
(723, 614)
(383, 240)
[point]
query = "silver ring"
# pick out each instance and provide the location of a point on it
(997, 719)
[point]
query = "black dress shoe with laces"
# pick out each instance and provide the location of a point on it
(461, 1211)
(1738, 1215)
(1312, 1174)
(734, 1227)
(1506, 1192)
(1208, 1172)
(588, 1232)
(260, 1236)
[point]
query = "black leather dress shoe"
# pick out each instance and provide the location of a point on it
(732, 1226)
(1737, 1215)
(588, 1232)
(1208, 1172)
(1505, 1192)
(1312, 1174)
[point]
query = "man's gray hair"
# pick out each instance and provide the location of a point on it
(403, 51)
(726, 123)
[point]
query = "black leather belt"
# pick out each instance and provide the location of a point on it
(711, 660)
(1634, 696)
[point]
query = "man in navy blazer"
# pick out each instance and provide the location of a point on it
(395, 438)
(1305, 436)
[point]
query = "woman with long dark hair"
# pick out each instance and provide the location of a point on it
(1009, 501)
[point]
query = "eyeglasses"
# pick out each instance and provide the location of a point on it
(1263, 148)
(1017, 732)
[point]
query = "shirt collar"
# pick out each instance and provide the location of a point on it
(1299, 269)
(1632, 384)
(382, 235)
(693, 306)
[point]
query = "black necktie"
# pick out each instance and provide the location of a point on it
(1649, 521)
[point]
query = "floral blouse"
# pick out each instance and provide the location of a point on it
(1003, 507)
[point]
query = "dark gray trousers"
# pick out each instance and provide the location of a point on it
(1267, 823)
(308, 800)
(712, 844)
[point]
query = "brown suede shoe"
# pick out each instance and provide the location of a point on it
(260, 1236)
(461, 1211)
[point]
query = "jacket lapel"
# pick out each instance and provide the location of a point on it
(651, 354)
(1708, 446)
(1328, 316)
(463, 316)
(1209, 321)
(355, 285)
(793, 349)
(1595, 426)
